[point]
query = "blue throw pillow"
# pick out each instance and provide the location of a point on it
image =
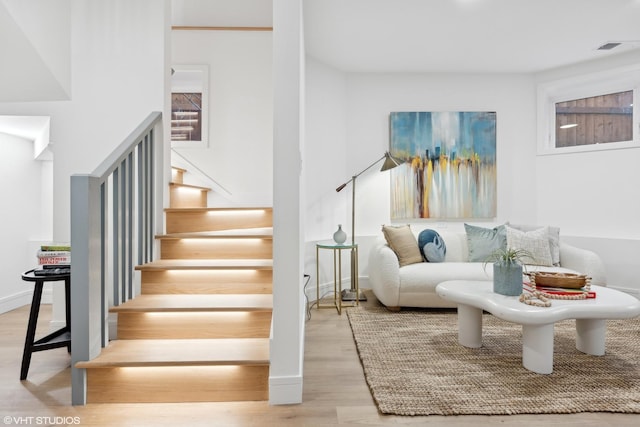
(432, 246)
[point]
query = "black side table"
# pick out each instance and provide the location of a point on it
(59, 338)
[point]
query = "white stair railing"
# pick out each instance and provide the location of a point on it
(115, 213)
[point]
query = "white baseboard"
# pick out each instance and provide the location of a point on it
(285, 390)
(326, 289)
(22, 298)
(11, 302)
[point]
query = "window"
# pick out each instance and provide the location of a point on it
(189, 106)
(186, 116)
(595, 120)
(589, 114)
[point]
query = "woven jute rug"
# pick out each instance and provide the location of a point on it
(414, 366)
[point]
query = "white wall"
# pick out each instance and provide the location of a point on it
(363, 101)
(325, 148)
(117, 57)
(20, 218)
(287, 338)
(585, 194)
(240, 152)
(119, 69)
(592, 196)
(39, 49)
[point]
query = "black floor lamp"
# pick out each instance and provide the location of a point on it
(390, 162)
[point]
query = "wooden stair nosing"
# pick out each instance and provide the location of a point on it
(181, 352)
(208, 264)
(219, 209)
(238, 233)
(196, 187)
(178, 168)
(196, 303)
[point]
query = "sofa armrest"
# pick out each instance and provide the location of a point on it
(583, 261)
(384, 273)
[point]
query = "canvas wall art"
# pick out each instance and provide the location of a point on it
(450, 165)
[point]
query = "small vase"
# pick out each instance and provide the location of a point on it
(339, 236)
(507, 278)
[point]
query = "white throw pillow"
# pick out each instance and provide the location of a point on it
(535, 242)
(554, 239)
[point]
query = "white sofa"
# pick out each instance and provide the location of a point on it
(414, 285)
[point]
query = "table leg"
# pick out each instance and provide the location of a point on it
(337, 294)
(537, 348)
(67, 307)
(590, 336)
(31, 329)
(469, 326)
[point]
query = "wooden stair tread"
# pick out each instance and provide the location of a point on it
(182, 352)
(208, 264)
(195, 302)
(178, 168)
(262, 233)
(218, 209)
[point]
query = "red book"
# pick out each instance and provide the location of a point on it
(559, 291)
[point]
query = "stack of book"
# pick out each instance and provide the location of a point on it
(559, 291)
(54, 259)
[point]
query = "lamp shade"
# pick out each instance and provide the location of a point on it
(390, 162)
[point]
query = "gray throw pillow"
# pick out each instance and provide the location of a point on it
(483, 242)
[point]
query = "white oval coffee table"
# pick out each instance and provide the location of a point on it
(537, 323)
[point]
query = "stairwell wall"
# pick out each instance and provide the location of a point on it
(120, 68)
(239, 155)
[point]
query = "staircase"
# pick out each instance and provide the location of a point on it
(200, 329)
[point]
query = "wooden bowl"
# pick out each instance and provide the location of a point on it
(560, 280)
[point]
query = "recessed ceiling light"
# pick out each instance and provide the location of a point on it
(569, 126)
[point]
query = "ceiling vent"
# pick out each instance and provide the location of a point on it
(609, 46)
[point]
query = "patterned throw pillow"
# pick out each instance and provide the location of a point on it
(432, 246)
(554, 239)
(483, 242)
(403, 243)
(535, 242)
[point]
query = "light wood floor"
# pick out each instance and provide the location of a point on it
(335, 392)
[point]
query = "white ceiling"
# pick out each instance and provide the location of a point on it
(466, 35)
(441, 35)
(427, 35)
(222, 13)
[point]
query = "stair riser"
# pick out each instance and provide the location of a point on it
(185, 222)
(194, 325)
(207, 282)
(177, 175)
(206, 288)
(177, 384)
(180, 197)
(238, 248)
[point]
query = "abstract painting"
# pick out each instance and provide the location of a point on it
(450, 165)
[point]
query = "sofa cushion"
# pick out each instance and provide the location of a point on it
(403, 243)
(431, 245)
(424, 277)
(554, 239)
(485, 241)
(535, 243)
